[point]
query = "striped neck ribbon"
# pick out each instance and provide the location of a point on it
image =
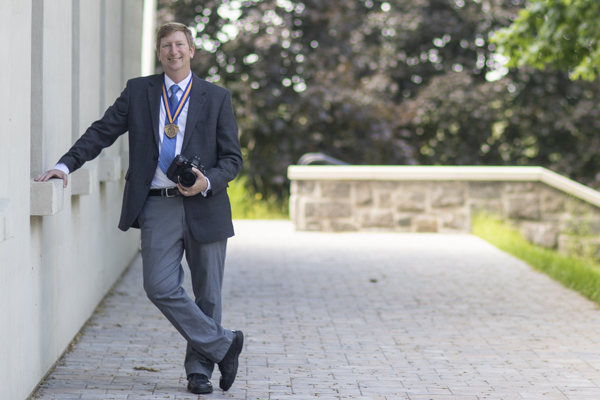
(174, 114)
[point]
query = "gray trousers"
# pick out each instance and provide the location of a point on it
(165, 238)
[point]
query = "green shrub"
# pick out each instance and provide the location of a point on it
(247, 205)
(579, 274)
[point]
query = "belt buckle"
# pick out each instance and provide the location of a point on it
(167, 193)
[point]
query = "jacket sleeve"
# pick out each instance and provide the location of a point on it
(100, 134)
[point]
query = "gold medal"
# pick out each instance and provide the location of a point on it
(171, 130)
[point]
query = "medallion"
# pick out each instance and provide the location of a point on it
(171, 130)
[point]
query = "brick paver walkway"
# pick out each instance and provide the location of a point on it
(357, 315)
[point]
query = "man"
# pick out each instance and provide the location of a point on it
(168, 114)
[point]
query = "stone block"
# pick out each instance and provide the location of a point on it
(485, 190)
(405, 222)
(425, 223)
(582, 226)
(335, 190)
(447, 196)
(385, 185)
(82, 181)
(524, 207)
(378, 219)
(385, 200)
(518, 187)
(335, 210)
(456, 220)
(327, 210)
(311, 210)
(314, 226)
(109, 169)
(364, 194)
(579, 207)
(410, 201)
(491, 207)
(46, 197)
(304, 187)
(337, 226)
(553, 202)
(541, 233)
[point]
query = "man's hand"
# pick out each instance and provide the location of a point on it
(53, 173)
(200, 185)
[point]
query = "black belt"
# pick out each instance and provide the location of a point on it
(168, 192)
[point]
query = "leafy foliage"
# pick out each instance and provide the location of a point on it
(526, 118)
(246, 205)
(564, 34)
(372, 82)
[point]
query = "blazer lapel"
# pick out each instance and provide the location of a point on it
(154, 93)
(196, 103)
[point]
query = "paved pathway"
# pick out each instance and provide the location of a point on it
(356, 315)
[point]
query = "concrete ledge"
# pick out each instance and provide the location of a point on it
(46, 197)
(109, 169)
(4, 205)
(435, 173)
(83, 181)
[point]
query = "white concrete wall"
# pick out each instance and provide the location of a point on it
(67, 60)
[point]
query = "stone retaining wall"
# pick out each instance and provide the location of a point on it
(550, 210)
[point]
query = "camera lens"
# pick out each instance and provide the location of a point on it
(187, 178)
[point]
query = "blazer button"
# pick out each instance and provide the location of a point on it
(147, 182)
(155, 158)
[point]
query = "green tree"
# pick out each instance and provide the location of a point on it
(372, 82)
(564, 34)
(528, 117)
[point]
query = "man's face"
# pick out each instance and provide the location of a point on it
(175, 54)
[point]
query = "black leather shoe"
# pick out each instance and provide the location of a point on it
(229, 364)
(199, 384)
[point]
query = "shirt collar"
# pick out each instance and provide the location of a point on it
(182, 85)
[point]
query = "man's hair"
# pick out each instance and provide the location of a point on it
(171, 27)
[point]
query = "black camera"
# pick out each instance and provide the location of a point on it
(180, 170)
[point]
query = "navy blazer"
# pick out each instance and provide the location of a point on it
(211, 133)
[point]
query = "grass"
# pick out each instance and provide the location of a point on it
(247, 205)
(579, 274)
